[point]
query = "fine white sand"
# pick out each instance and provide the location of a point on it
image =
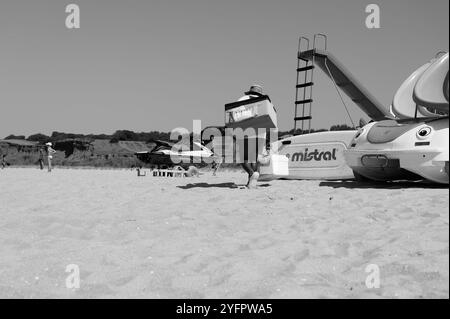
(151, 237)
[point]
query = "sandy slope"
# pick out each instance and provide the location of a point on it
(159, 237)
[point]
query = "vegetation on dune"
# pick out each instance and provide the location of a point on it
(97, 150)
(15, 137)
(127, 135)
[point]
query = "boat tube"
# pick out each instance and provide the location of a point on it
(401, 150)
(415, 147)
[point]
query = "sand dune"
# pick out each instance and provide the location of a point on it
(205, 237)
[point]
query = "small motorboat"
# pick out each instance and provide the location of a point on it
(168, 155)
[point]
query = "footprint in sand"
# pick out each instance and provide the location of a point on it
(341, 249)
(302, 255)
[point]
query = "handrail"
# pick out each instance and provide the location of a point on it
(300, 43)
(320, 35)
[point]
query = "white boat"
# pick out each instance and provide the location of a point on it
(414, 145)
(317, 155)
(321, 155)
(167, 155)
(410, 141)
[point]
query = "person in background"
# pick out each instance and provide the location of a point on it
(50, 152)
(41, 158)
(250, 162)
(4, 163)
(216, 163)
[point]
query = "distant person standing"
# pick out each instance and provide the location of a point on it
(41, 158)
(50, 152)
(4, 161)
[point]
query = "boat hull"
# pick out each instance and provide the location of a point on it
(317, 156)
(408, 156)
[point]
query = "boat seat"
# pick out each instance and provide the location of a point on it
(386, 131)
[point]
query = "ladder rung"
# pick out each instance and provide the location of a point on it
(302, 118)
(299, 86)
(305, 68)
(301, 57)
(303, 102)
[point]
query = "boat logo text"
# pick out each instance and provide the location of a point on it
(316, 155)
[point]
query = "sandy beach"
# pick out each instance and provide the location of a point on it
(204, 237)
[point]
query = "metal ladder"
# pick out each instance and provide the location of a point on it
(304, 84)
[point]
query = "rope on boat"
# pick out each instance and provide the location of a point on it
(339, 92)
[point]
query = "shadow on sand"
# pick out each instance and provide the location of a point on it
(221, 185)
(206, 185)
(381, 185)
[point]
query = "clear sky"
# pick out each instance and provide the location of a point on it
(159, 64)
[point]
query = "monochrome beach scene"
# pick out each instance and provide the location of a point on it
(224, 150)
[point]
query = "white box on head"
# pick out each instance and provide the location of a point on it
(256, 113)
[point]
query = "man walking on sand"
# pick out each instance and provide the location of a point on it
(254, 146)
(50, 152)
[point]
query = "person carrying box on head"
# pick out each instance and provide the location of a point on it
(254, 113)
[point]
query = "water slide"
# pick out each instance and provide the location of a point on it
(347, 83)
(426, 88)
(432, 88)
(403, 106)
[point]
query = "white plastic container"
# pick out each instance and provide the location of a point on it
(278, 166)
(255, 113)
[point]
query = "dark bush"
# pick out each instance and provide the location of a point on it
(15, 137)
(41, 138)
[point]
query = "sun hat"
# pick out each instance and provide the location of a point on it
(256, 88)
(48, 144)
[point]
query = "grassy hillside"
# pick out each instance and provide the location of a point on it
(102, 150)
(97, 153)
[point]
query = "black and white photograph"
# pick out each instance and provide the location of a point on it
(237, 152)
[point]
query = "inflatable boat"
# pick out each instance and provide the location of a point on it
(408, 141)
(415, 144)
(320, 155)
(317, 155)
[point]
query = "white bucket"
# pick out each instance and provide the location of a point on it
(278, 166)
